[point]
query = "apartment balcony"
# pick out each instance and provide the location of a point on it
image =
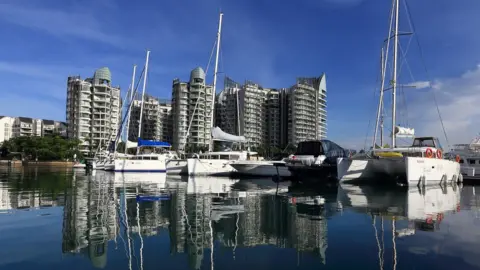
(85, 90)
(85, 104)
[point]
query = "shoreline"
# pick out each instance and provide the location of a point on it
(18, 163)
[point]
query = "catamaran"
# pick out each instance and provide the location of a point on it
(143, 161)
(211, 163)
(420, 163)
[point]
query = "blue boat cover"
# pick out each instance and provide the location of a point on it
(152, 143)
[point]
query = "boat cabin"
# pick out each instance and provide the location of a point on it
(226, 155)
(427, 142)
(421, 147)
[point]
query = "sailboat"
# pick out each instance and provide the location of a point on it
(212, 163)
(144, 162)
(421, 163)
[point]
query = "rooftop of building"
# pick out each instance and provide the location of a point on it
(103, 74)
(48, 122)
(25, 119)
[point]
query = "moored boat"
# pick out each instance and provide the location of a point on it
(422, 162)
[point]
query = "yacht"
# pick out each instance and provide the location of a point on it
(420, 163)
(215, 163)
(468, 155)
(146, 161)
(260, 168)
(315, 160)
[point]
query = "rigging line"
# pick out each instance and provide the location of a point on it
(128, 109)
(383, 69)
(426, 71)
(381, 104)
(196, 103)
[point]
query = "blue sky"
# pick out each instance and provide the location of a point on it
(270, 42)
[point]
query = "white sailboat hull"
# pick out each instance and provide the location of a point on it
(217, 167)
(412, 170)
(100, 165)
(177, 167)
(129, 165)
(109, 166)
(259, 168)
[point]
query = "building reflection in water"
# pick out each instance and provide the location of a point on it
(200, 211)
(26, 188)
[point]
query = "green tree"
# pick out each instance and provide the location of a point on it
(48, 148)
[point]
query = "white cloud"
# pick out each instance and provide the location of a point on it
(420, 84)
(458, 102)
(80, 24)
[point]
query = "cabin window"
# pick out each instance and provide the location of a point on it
(312, 148)
(154, 158)
(424, 142)
(471, 161)
(224, 157)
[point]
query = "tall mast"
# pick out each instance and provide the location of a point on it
(219, 33)
(379, 119)
(143, 98)
(132, 88)
(394, 79)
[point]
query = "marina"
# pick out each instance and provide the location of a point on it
(113, 220)
(160, 159)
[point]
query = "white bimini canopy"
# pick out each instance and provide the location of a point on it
(219, 135)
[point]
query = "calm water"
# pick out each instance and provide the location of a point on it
(57, 219)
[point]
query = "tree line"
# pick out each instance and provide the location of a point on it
(47, 148)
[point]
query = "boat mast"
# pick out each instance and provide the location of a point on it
(219, 33)
(379, 119)
(381, 102)
(130, 106)
(143, 99)
(394, 79)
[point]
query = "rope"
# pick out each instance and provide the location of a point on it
(196, 103)
(426, 70)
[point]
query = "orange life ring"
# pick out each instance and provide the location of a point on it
(429, 219)
(429, 153)
(457, 158)
(439, 153)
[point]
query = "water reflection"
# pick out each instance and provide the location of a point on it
(115, 220)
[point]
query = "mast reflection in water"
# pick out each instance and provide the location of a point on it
(148, 221)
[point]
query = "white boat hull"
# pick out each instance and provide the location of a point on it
(100, 165)
(177, 167)
(259, 169)
(109, 166)
(217, 167)
(129, 165)
(412, 170)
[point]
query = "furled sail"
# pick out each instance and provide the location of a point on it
(219, 135)
(404, 132)
(131, 144)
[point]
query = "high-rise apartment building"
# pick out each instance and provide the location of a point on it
(227, 108)
(307, 114)
(156, 122)
(252, 101)
(274, 118)
(192, 111)
(93, 110)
